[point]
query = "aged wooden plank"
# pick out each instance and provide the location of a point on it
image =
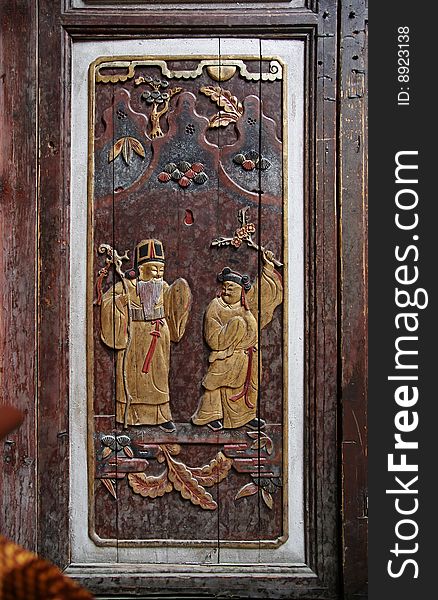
(18, 509)
(323, 304)
(209, 581)
(353, 291)
(53, 438)
(116, 24)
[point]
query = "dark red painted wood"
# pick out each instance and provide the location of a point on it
(53, 306)
(353, 152)
(333, 375)
(18, 176)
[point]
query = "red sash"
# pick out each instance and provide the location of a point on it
(155, 335)
(244, 392)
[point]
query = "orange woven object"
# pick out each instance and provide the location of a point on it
(25, 576)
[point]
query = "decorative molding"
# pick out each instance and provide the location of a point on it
(129, 65)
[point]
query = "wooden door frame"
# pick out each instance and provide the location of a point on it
(36, 205)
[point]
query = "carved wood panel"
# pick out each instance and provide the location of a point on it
(186, 173)
(50, 433)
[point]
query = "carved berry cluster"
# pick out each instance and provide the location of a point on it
(251, 160)
(183, 173)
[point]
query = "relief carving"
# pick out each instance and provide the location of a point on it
(140, 316)
(231, 331)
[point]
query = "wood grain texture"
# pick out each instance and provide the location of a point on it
(328, 340)
(53, 440)
(18, 508)
(322, 340)
(353, 292)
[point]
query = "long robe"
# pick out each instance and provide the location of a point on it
(231, 331)
(149, 392)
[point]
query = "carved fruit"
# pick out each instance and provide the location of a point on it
(170, 167)
(264, 164)
(184, 166)
(252, 155)
(190, 173)
(197, 167)
(248, 165)
(200, 178)
(239, 159)
(184, 182)
(176, 175)
(164, 177)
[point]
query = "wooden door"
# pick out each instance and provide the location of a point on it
(189, 421)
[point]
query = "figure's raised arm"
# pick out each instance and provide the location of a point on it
(271, 291)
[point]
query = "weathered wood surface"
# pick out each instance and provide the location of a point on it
(18, 176)
(353, 153)
(322, 332)
(53, 306)
(17, 323)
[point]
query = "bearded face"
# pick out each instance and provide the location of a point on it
(149, 293)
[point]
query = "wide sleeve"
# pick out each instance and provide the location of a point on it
(223, 336)
(271, 295)
(114, 319)
(177, 303)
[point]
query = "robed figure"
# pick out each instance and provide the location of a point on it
(231, 331)
(140, 316)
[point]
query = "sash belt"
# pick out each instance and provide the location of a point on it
(155, 335)
(244, 392)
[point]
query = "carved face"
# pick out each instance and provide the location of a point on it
(231, 292)
(151, 270)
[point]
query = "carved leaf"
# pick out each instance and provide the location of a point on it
(137, 147)
(126, 145)
(173, 449)
(109, 484)
(248, 490)
(127, 150)
(223, 98)
(150, 486)
(106, 452)
(128, 451)
(116, 149)
(188, 486)
(222, 119)
(260, 443)
(267, 499)
(269, 446)
(214, 472)
(253, 434)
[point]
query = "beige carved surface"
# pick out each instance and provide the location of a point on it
(231, 331)
(140, 330)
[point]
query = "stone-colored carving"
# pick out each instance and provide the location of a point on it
(231, 330)
(140, 316)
